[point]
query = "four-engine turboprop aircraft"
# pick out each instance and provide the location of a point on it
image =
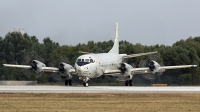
(94, 65)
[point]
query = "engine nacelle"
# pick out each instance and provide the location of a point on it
(65, 68)
(154, 66)
(130, 77)
(37, 66)
(127, 72)
(124, 67)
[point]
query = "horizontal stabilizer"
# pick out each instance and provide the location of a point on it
(139, 54)
(83, 52)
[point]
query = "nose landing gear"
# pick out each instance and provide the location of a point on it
(85, 83)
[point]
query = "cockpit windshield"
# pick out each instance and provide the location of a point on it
(81, 62)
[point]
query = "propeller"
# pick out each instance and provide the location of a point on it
(147, 61)
(56, 63)
(28, 60)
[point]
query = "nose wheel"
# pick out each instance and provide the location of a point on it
(85, 84)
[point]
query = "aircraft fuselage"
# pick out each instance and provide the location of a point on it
(93, 65)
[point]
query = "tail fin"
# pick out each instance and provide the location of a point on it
(115, 48)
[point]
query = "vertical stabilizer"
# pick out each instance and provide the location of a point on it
(115, 48)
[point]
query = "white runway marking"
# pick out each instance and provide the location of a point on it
(98, 89)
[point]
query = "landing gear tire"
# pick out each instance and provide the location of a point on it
(130, 83)
(85, 84)
(126, 83)
(70, 82)
(66, 82)
(103, 76)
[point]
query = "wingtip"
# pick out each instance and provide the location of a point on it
(193, 66)
(155, 52)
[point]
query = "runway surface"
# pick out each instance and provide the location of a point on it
(98, 89)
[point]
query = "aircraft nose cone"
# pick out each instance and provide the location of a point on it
(82, 71)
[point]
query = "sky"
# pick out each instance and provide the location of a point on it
(70, 22)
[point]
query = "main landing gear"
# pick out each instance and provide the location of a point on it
(68, 82)
(128, 82)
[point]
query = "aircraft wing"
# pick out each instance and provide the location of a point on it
(162, 68)
(137, 70)
(17, 66)
(45, 69)
(55, 69)
(147, 70)
(176, 67)
(50, 69)
(139, 54)
(112, 71)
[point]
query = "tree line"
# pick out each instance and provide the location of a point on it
(17, 48)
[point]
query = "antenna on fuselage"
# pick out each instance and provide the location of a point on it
(115, 48)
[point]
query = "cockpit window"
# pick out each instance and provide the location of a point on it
(79, 60)
(87, 60)
(82, 62)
